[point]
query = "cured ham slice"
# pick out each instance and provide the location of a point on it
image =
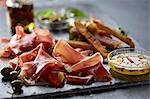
(54, 79)
(86, 62)
(5, 40)
(6, 52)
(91, 65)
(28, 69)
(99, 72)
(64, 64)
(44, 60)
(19, 43)
(43, 36)
(49, 69)
(65, 53)
(40, 65)
(25, 57)
(77, 80)
(22, 42)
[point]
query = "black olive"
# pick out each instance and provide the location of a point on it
(17, 85)
(18, 91)
(17, 68)
(13, 75)
(119, 28)
(6, 71)
(105, 61)
(5, 79)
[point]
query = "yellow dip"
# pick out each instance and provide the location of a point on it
(130, 63)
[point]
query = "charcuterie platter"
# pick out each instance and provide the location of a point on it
(42, 64)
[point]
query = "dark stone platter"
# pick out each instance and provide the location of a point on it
(72, 90)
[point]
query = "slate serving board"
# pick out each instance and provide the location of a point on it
(70, 90)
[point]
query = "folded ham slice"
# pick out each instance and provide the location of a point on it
(22, 42)
(65, 64)
(86, 62)
(25, 57)
(43, 36)
(4, 40)
(38, 64)
(77, 80)
(44, 61)
(49, 69)
(65, 53)
(91, 65)
(6, 52)
(99, 72)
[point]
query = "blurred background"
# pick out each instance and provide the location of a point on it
(132, 15)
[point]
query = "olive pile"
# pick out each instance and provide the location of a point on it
(10, 74)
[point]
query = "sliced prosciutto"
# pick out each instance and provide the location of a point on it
(77, 80)
(65, 53)
(4, 40)
(40, 65)
(22, 42)
(91, 65)
(49, 69)
(98, 71)
(25, 57)
(42, 61)
(85, 63)
(6, 52)
(43, 36)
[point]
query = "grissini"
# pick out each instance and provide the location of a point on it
(108, 42)
(90, 38)
(113, 32)
(80, 44)
(103, 36)
(92, 28)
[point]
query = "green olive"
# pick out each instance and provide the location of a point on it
(6, 71)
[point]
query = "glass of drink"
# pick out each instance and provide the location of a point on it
(20, 12)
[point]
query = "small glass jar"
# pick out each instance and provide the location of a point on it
(20, 12)
(129, 61)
